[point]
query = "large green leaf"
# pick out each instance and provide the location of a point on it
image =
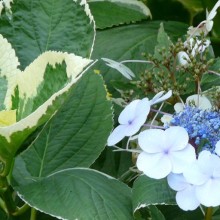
(147, 191)
(8, 72)
(77, 134)
(38, 26)
(108, 13)
(26, 87)
(74, 194)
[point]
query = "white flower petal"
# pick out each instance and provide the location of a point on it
(132, 128)
(166, 119)
(141, 112)
(1, 7)
(134, 116)
(187, 199)
(176, 138)
(117, 135)
(208, 162)
(124, 70)
(155, 166)
(181, 159)
(177, 182)
(152, 140)
(209, 194)
(213, 12)
(201, 102)
(178, 107)
(183, 58)
(197, 31)
(217, 148)
(204, 46)
(194, 175)
(128, 114)
(142, 109)
(159, 97)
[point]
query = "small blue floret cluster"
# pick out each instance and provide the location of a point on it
(203, 126)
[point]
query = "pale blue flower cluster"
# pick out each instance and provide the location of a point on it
(203, 126)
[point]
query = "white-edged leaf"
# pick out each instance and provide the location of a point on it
(82, 193)
(108, 13)
(11, 137)
(147, 191)
(8, 69)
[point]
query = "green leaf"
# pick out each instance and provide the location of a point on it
(77, 134)
(74, 193)
(147, 191)
(39, 26)
(108, 13)
(164, 43)
(12, 136)
(8, 72)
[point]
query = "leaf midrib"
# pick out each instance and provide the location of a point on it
(44, 154)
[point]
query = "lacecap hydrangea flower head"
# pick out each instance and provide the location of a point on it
(186, 150)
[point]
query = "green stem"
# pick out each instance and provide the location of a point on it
(3, 206)
(33, 214)
(208, 213)
(8, 200)
(21, 210)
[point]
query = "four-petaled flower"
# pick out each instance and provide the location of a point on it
(131, 119)
(204, 174)
(164, 151)
(186, 195)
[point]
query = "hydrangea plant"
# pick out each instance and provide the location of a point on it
(59, 85)
(178, 146)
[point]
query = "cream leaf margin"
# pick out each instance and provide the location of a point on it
(29, 80)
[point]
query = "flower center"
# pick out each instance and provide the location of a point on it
(130, 122)
(166, 151)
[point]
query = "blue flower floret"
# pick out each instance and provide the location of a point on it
(201, 125)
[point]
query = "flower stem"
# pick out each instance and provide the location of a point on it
(8, 200)
(157, 114)
(137, 61)
(33, 214)
(213, 72)
(208, 213)
(21, 210)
